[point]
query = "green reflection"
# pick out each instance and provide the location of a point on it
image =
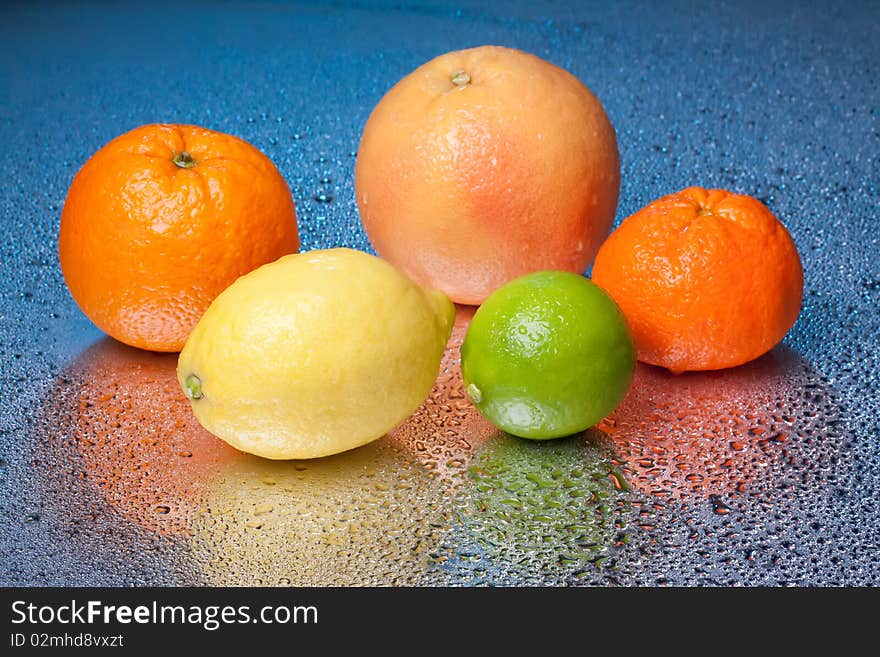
(544, 505)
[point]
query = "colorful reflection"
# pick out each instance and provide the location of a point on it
(443, 489)
(708, 434)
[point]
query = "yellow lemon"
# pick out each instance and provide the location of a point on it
(314, 354)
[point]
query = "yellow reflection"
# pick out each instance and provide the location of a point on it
(370, 516)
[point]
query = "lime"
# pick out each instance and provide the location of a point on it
(547, 355)
(314, 354)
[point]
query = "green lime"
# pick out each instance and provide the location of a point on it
(547, 355)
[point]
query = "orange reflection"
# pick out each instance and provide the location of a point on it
(701, 434)
(137, 438)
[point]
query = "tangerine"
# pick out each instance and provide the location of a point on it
(708, 279)
(161, 220)
(483, 165)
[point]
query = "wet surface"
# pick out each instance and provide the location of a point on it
(761, 475)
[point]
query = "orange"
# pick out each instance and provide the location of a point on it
(161, 220)
(708, 279)
(483, 165)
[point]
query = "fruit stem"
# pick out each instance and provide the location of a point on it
(475, 394)
(460, 78)
(184, 160)
(193, 387)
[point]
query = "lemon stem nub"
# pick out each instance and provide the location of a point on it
(460, 78)
(475, 394)
(184, 160)
(193, 387)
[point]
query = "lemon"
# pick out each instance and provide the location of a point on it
(314, 354)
